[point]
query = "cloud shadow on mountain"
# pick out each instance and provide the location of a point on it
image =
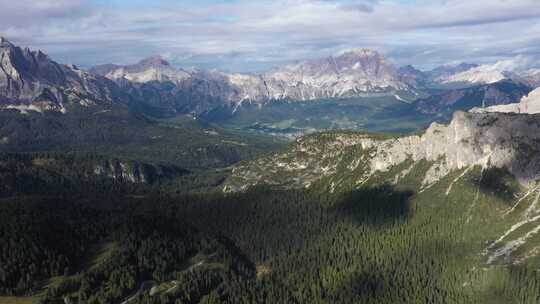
(376, 205)
(497, 182)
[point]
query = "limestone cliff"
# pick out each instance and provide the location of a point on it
(510, 141)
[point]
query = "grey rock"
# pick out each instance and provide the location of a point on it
(500, 140)
(31, 80)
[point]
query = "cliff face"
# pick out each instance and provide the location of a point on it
(352, 74)
(529, 104)
(136, 172)
(30, 80)
(487, 140)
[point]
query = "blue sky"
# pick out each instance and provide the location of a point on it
(254, 35)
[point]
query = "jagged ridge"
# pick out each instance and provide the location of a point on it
(30, 80)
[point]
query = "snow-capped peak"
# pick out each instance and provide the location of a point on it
(479, 75)
(489, 73)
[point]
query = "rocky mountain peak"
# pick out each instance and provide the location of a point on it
(154, 61)
(4, 43)
(362, 52)
(451, 69)
(30, 80)
(361, 58)
(7, 49)
(353, 73)
(149, 69)
(409, 69)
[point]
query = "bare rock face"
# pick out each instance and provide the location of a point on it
(135, 172)
(532, 78)
(529, 104)
(355, 73)
(30, 80)
(487, 140)
(351, 74)
(478, 75)
(410, 75)
(441, 73)
(148, 69)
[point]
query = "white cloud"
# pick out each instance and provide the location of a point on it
(245, 34)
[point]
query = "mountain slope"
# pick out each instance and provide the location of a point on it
(352, 74)
(485, 140)
(444, 103)
(532, 77)
(293, 119)
(30, 80)
(477, 75)
(148, 69)
(117, 132)
(369, 229)
(529, 104)
(440, 73)
(488, 164)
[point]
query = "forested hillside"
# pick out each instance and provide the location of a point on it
(121, 132)
(449, 215)
(384, 242)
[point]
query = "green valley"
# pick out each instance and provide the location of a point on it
(375, 114)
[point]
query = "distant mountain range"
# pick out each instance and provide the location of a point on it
(445, 102)
(31, 81)
(351, 74)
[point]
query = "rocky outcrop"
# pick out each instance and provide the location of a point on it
(529, 104)
(136, 172)
(31, 81)
(487, 140)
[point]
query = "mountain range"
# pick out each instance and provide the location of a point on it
(354, 73)
(30, 80)
(140, 183)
